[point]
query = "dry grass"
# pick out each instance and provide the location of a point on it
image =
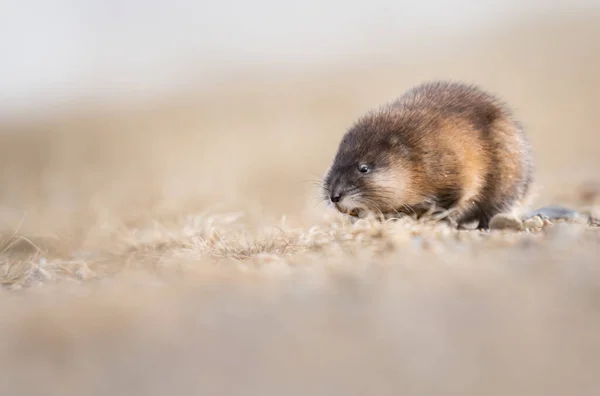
(180, 247)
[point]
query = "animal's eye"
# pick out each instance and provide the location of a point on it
(363, 168)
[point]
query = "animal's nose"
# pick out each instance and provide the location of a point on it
(335, 197)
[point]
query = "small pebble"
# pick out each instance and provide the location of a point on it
(504, 221)
(533, 223)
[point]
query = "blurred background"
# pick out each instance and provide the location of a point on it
(115, 114)
(114, 110)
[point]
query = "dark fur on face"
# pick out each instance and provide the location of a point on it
(358, 166)
(442, 146)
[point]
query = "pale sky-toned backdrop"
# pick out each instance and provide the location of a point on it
(54, 53)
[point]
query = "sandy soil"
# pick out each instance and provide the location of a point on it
(181, 246)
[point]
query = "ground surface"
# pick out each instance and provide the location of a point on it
(181, 247)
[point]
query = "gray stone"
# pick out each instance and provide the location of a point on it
(504, 221)
(555, 212)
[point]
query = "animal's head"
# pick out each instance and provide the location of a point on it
(370, 171)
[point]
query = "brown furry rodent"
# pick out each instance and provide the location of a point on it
(443, 148)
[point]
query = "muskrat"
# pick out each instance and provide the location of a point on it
(444, 148)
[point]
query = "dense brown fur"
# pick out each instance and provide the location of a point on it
(442, 147)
